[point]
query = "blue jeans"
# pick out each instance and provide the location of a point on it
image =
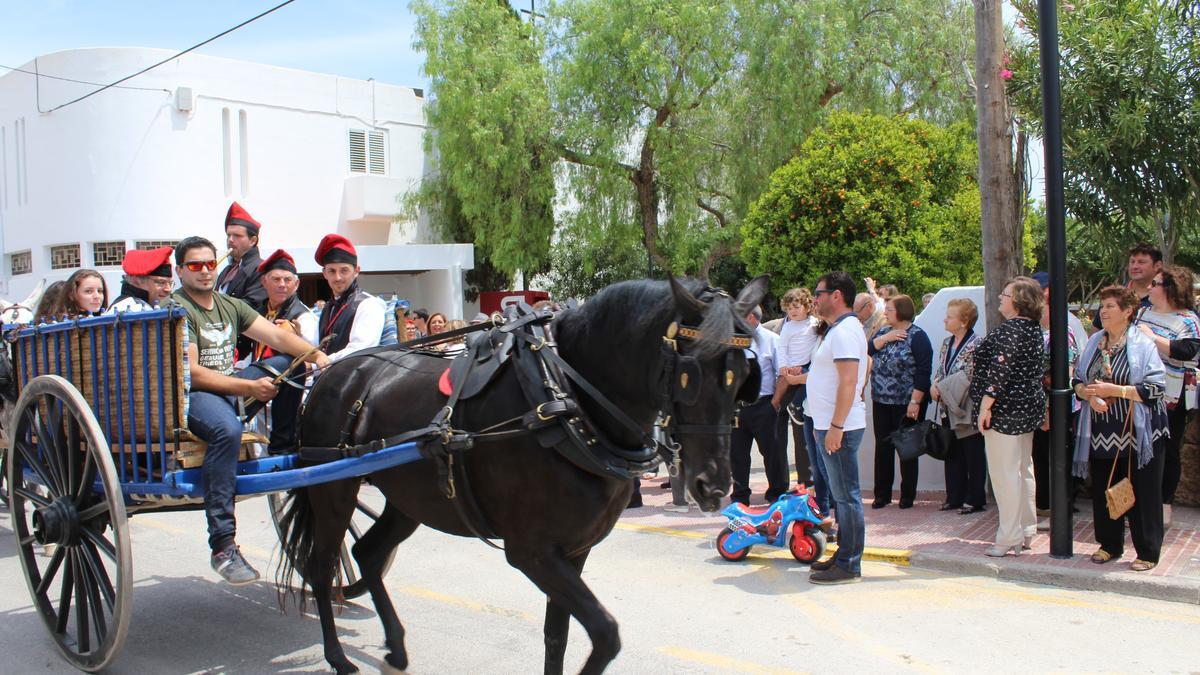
(842, 467)
(816, 460)
(214, 418)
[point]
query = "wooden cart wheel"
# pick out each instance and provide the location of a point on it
(68, 515)
(364, 517)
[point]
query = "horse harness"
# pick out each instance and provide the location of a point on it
(556, 420)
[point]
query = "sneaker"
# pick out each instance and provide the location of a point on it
(834, 575)
(233, 567)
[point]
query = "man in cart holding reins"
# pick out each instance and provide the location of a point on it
(215, 322)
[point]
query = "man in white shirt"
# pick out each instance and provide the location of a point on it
(354, 317)
(757, 421)
(835, 382)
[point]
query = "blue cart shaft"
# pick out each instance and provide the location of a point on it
(275, 474)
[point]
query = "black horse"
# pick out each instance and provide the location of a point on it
(548, 511)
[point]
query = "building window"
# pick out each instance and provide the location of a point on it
(21, 263)
(108, 253)
(368, 151)
(151, 244)
(64, 256)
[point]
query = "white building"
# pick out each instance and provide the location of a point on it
(163, 156)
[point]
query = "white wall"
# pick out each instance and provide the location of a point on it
(128, 165)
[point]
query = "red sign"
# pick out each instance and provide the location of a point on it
(498, 301)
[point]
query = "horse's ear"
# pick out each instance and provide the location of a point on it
(34, 296)
(685, 300)
(752, 295)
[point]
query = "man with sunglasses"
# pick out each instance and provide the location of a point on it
(214, 324)
(147, 280)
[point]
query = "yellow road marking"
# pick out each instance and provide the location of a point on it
(722, 662)
(670, 532)
(472, 605)
(894, 556)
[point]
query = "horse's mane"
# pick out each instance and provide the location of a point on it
(639, 310)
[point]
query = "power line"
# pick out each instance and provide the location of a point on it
(68, 79)
(173, 57)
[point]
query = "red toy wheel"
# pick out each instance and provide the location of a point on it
(732, 556)
(808, 542)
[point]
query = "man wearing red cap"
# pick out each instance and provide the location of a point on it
(355, 318)
(147, 280)
(282, 307)
(240, 279)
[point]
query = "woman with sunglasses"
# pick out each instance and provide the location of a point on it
(1171, 317)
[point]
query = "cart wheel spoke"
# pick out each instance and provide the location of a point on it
(87, 477)
(83, 638)
(367, 510)
(64, 600)
(48, 449)
(95, 566)
(91, 584)
(26, 493)
(92, 512)
(51, 570)
(31, 460)
(101, 543)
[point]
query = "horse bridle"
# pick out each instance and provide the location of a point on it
(681, 378)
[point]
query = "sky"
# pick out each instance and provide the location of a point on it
(353, 38)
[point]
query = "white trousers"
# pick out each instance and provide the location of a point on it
(1010, 468)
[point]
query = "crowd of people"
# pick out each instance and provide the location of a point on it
(245, 322)
(1134, 380)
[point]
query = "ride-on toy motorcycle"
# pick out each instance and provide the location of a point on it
(795, 512)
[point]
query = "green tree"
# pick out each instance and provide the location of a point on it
(667, 116)
(1130, 116)
(880, 196)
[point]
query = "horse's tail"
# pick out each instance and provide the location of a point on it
(296, 528)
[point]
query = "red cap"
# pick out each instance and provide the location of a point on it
(279, 260)
(334, 248)
(152, 263)
(239, 216)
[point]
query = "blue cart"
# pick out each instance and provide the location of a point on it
(98, 434)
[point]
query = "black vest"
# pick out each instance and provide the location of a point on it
(291, 310)
(338, 318)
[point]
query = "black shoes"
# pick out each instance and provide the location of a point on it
(635, 501)
(967, 510)
(949, 507)
(834, 575)
(879, 503)
(905, 504)
(822, 565)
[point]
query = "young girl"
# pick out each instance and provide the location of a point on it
(85, 294)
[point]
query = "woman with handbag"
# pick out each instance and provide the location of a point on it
(966, 465)
(1122, 438)
(1170, 317)
(1009, 405)
(903, 361)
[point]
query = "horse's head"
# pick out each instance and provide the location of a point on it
(21, 312)
(710, 376)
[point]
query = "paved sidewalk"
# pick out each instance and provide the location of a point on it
(925, 537)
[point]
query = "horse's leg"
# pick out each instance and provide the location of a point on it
(372, 553)
(557, 626)
(333, 506)
(560, 580)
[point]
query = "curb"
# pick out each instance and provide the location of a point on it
(894, 556)
(1125, 583)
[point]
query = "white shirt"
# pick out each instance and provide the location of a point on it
(797, 339)
(844, 341)
(129, 304)
(367, 327)
(764, 347)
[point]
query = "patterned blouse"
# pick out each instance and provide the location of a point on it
(900, 367)
(1110, 438)
(1008, 367)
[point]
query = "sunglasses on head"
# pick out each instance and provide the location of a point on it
(197, 265)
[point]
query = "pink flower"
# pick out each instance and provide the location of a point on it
(1068, 7)
(1021, 24)
(1006, 74)
(1007, 60)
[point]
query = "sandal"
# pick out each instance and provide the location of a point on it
(1100, 557)
(1140, 565)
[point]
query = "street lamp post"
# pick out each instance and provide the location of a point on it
(1060, 394)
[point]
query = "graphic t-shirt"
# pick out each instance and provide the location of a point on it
(215, 331)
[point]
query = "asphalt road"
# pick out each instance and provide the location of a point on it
(681, 609)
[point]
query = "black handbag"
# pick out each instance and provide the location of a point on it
(909, 441)
(939, 442)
